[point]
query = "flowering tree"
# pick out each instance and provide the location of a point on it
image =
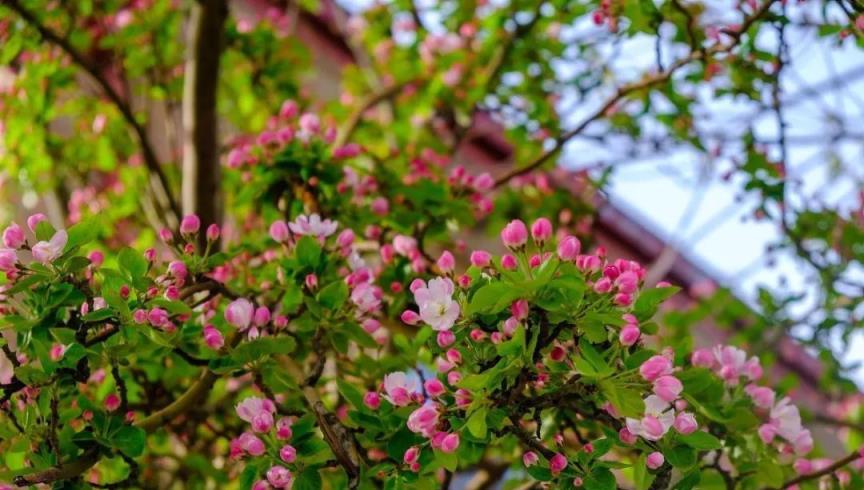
(318, 313)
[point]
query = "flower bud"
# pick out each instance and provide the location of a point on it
(190, 224)
(515, 234)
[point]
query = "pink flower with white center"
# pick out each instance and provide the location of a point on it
(786, 421)
(668, 388)
(399, 388)
(13, 236)
(239, 313)
(46, 251)
(280, 477)
(655, 367)
(424, 420)
(732, 363)
(367, 297)
(658, 418)
(313, 225)
(258, 412)
(437, 307)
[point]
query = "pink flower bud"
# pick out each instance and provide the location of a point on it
(629, 335)
(478, 335)
(445, 338)
(345, 238)
(178, 269)
(603, 285)
(410, 317)
(577, 482)
(655, 460)
(56, 352)
(190, 224)
(157, 317)
(454, 377)
(655, 367)
(239, 313)
(412, 454)
(450, 443)
(287, 453)
(372, 400)
(558, 353)
(387, 253)
(519, 309)
(767, 432)
(380, 206)
(702, 358)
(446, 262)
(484, 182)
(370, 325)
(150, 255)
(541, 230)
(288, 110)
(623, 299)
(434, 387)
(508, 262)
(515, 234)
(262, 316)
(34, 220)
(463, 398)
(530, 458)
(685, 423)
(480, 258)
(416, 284)
(668, 388)
(569, 248)
(213, 232)
(283, 428)
(166, 236)
(279, 231)
(311, 281)
(454, 356)
(280, 477)
(213, 337)
(626, 436)
(557, 463)
(112, 402)
(803, 466)
(13, 236)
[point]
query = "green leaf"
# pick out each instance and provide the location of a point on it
(308, 252)
(642, 479)
(82, 233)
(492, 298)
(130, 440)
(98, 315)
(132, 262)
(627, 401)
(515, 345)
(351, 393)
(308, 479)
(681, 456)
(333, 295)
(600, 479)
(477, 423)
(594, 358)
(650, 299)
(701, 440)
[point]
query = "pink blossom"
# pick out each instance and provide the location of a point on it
(530, 458)
(767, 432)
(213, 337)
(313, 225)
(213, 232)
(626, 436)
(380, 206)
(279, 231)
(424, 420)
(288, 453)
(463, 398)
(803, 466)
(34, 220)
(250, 443)
(541, 230)
(262, 316)
(190, 224)
(412, 454)
(46, 251)
(658, 419)
(762, 397)
(446, 262)
(557, 463)
(655, 460)
(629, 335)
(410, 317)
(685, 423)
(372, 400)
(366, 297)
(258, 412)
(437, 307)
(519, 309)
(370, 325)
(668, 388)
(404, 245)
(445, 338)
(112, 402)
(239, 313)
(480, 258)
(283, 428)
(569, 248)
(450, 443)
(702, 358)
(434, 387)
(139, 316)
(157, 317)
(8, 259)
(508, 262)
(13, 236)
(515, 234)
(280, 477)
(484, 182)
(399, 388)
(655, 367)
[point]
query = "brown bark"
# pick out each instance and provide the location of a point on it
(201, 172)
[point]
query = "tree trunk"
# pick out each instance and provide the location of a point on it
(201, 170)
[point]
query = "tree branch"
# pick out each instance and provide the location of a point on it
(646, 82)
(158, 180)
(201, 170)
(854, 455)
